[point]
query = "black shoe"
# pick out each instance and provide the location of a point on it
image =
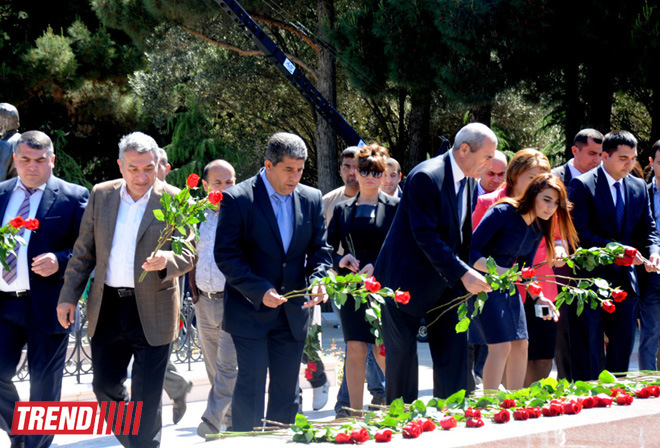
(342, 413)
(205, 429)
(18, 445)
(179, 405)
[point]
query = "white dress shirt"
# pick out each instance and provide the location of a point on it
(611, 182)
(22, 281)
(121, 264)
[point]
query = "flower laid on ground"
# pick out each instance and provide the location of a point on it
(502, 416)
(448, 423)
(10, 239)
(383, 435)
(180, 213)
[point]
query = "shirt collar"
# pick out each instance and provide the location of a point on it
(610, 179)
(655, 186)
(123, 193)
(20, 185)
(455, 169)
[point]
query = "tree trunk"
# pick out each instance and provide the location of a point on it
(420, 117)
(599, 96)
(574, 109)
(327, 160)
(482, 114)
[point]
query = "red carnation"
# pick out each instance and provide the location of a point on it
(308, 374)
(17, 222)
(371, 284)
(402, 297)
(381, 350)
(311, 366)
(654, 390)
(215, 197)
(412, 430)
(608, 306)
(520, 414)
(603, 401)
(572, 407)
(342, 437)
(192, 180)
(630, 252)
(624, 399)
(31, 224)
(534, 288)
(428, 425)
(360, 435)
(619, 295)
(534, 412)
(447, 423)
(384, 435)
(502, 416)
(588, 402)
(528, 272)
(472, 413)
(643, 393)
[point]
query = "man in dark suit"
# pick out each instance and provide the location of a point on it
(271, 239)
(649, 301)
(611, 205)
(29, 290)
(426, 253)
(587, 147)
(128, 318)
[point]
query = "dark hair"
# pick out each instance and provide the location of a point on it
(350, 153)
(372, 157)
(613, 139)
(394, 164)
(283, 145)
(655, 148)
(582, 138)
(561, 220)
(36, 140)
(524, 160)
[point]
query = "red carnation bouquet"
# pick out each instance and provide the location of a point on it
(10, 238)
(181, 212)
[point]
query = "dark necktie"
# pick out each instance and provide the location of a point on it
(24, 211)
(619, 206)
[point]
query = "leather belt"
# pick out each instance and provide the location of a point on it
(217, 295)
(123, 292)
(17, 294)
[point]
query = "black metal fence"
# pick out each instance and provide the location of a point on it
(185, 348)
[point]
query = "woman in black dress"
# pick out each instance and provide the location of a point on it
(360, 225)
(510, 232)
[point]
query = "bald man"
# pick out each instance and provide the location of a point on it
(493, 178)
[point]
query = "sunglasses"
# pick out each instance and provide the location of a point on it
(374, 173)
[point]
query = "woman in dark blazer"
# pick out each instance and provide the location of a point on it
(359, 226)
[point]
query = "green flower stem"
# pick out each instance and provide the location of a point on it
(227, 434)
(460, 299)
(169, 230)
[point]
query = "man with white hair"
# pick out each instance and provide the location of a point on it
(426, 253)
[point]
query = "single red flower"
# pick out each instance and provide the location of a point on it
(534, 288)
(17, 222)
(616, 391)
(534, 412)
(308, 374)
(630, 252)
(31, 224)
(381, 350)
(502, 416)
(608, 306)
(603, 401)
(412, 430)
(311, 366)
(474, 423)
(342, 437)
(520, 414)
(180, 324)
(572, 407)
(360, 435)
(588, 402)
(447, 423)
(384, 435)
(619, 295)
(654, 390)
(215, 197)
(552, 410)
(192, 180)
(643, 393)
(528, 272)
(428, 425)
(508, 403)
(402, 297)
(371, 285)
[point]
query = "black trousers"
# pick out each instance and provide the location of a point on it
(118, 337)
(279, 355)
(46, 354)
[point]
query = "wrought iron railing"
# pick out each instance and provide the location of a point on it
(186, 348)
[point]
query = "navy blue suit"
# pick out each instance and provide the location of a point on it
(249, 252)
(33, 319)
(594, 216)
(423, 254)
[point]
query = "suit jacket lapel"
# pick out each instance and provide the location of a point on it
(297, 216)
(152, 204)
(262, 199)
(603, 188)
(380, 210)
(48, 198)
(5, 195)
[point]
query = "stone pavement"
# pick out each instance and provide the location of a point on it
(632, 426)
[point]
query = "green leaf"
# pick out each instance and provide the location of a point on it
(159, 215)
(301, 421)
(606, 377)
(456, 399)
(463, 325)
(419, 407)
